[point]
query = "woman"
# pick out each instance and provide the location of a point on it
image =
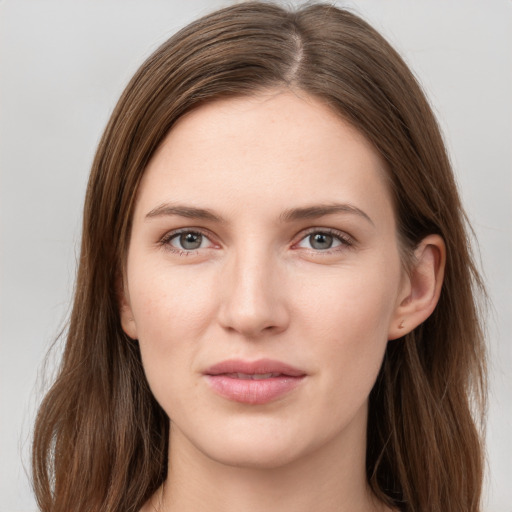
(276, 302)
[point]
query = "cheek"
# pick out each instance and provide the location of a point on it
(171, 311)
(169, 304)
(352, 301)
(348, 318)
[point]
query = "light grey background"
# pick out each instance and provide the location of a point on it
(63, 65)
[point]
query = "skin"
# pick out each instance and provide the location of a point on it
(261, 287)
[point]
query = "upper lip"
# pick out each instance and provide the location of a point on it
(260, 366)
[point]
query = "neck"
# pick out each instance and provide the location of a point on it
(331, 478)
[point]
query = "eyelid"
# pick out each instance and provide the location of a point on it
(164, 241)
(347, 241)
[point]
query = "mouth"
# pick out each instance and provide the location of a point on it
(253, 382)
(252, 376)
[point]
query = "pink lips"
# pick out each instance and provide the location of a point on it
(253, 382)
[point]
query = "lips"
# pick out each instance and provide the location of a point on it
(253, 382)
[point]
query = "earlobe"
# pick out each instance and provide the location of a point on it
(125, 312)
(423, 288)
(128, 322)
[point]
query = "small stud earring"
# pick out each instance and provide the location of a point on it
(401, 325)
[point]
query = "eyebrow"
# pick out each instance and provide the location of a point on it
(289, 215)
(313, 212)
(191, 212)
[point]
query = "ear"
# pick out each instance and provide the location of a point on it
(125, 310)
(422, 287)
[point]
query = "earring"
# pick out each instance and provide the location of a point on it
(401, 325)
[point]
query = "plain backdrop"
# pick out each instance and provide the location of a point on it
(63, 65)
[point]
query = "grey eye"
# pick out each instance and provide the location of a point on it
(188, 241)
(321, 241)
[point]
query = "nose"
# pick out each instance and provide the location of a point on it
(253, 296)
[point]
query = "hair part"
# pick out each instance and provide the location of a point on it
(101, 439)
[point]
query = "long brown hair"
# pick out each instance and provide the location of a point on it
(100, 438)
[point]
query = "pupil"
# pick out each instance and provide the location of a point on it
(191, 240)
(321, 241)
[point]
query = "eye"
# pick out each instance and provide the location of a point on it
(325, 240)
(185, 241)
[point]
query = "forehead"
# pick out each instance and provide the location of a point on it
(268, 149)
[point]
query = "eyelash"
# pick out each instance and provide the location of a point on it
(165, 241)
(346, 241)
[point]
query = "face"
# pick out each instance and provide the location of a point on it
(263, 277)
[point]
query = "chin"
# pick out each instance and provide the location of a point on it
(254, 456)
(261, 447)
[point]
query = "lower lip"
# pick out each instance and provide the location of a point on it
(254, 392)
